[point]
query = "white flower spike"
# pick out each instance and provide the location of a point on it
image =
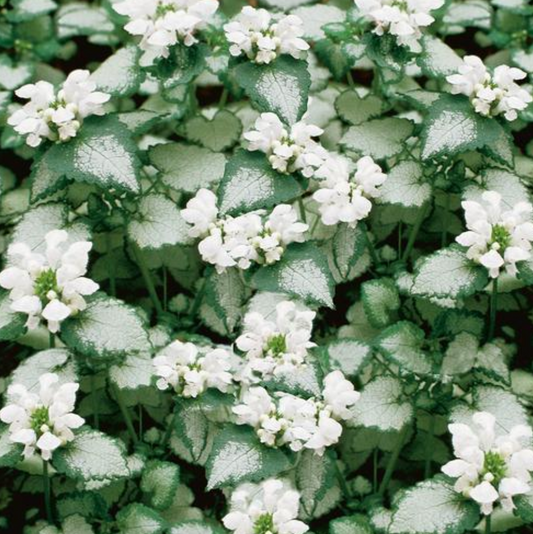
(49, 286)
(255, 34)
(490, 469)
(288, 150)
(492, 94)
(162, 24)
(270, 507)
(403, 19)
(285, 419)
(277, 347)
(190, 370)
(42, 422)
(497, 238)
(57, 116)
(344, 197)
(240, 241)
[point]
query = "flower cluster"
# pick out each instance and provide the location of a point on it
(288, 151)
(497, 238)
(492, 94)
(253, 237)
(254, 34)
(490, 469)
(165, 23)
(270, 507)
(42, 421)
(277, 347)
(344, 197)
(57, 116)
(401, 18)
(285, 419)
(190, 370)
(48, 286)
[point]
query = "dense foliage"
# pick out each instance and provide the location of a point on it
(266, 266)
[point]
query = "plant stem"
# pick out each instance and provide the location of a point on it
(112, 278)
(488, 521)
(96, 415)
(444, 235)
(400, 232)
(429, 448)
(52, 340)
(493, 309)
(198, 299)
(371, 248)
(392, 462)
(165, 288)
(375, 470)
(147, 278)
(302, 210)
(414, 232)
(342, 482)
(47, 493)
(125, 413)
(223, 98)
(168, 432)
(351, 82)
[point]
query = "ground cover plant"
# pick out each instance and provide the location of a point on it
(266, 266)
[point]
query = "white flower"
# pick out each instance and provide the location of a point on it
(201, 212)
(42, 421)
(496, 238)
(280, 229)
(165, 23)
(49, 286)
(190, 371)
(254, 34)
(402, 18)
(277, 347)
(270, 507)
(339, 395)
(57, 117)
(492, 94)
(490, 469)
(243, 240)
(286, 419)
(343, 198)
(288, 151)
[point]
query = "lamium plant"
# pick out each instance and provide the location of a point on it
(266, 266)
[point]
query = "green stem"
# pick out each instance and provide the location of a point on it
(493, 309)
(168, 432)
(414, 232)
(147, 278)
(375, 470)
(400, 237)
(488, 521)
(389, 471)
(96, 414)
(47, 493)
(112, 278)
(165, 288)
(351, 82)
(52, 340)
(125, 413)
(429, 448)
(342, 482)
(302, 210)
(223, 98)
(371, 248)
(444, 236)
(198, 300)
